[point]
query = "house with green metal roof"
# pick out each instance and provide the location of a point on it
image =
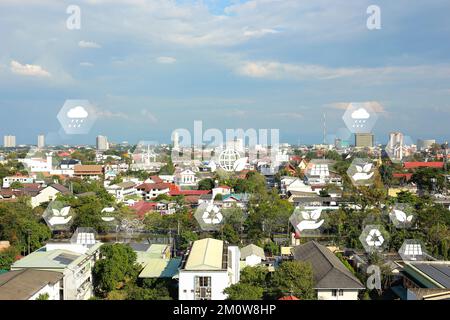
(75, 266)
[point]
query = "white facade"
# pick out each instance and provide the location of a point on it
(77, 283)
(46, 195)
(41, 141)
(7, 181)
(337, 294)
(209, 283)
(102, 143)
(186, 178)
(51, 289)
(9, 141)
(253, 260)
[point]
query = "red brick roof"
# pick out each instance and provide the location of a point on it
(413, 165)
(289, 298)
(156, 179)
(407, 176)
(188, 192)
(143, 207)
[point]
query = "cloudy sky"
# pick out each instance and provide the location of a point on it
(151, 66)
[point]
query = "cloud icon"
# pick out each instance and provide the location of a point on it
(78, 112)
(361, 113)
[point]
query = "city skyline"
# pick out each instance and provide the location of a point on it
(250, 64)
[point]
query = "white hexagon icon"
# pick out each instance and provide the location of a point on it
(360, 117)
(77, 116)
(399, 147)
(209, 217)
(307, 222)
(230, 160)
(59, 216)
(148, 156)
(413, 250)
(362, 172)
(402, 215)
(374, 238)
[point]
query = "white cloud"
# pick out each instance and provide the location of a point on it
(279, 70)
(77, 112)
(86, 64)
(28, 69)
(360, 113)
(88, 44)
(166, 60)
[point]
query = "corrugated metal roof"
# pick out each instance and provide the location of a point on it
(206, 254)
(161, 268)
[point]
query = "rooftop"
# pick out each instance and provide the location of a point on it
(205, 254)
(23, 284)
(329, 271)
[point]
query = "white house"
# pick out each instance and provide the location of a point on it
(208, 269)
(30, 284)
(121, 190)
(332, 280)
(7, 181)
(186, 178)
(252, 255)
(152, 190)
(71, 261)
(48, 194)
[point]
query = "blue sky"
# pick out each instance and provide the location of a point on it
(150, 67)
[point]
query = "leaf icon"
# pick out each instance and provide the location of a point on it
(306, 215)
(359, 168)
(367, 167)
(409, 218)
(239, 164)
(400, 215)
(315, 215)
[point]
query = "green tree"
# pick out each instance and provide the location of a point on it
(206, 184)
(244, 291)
(294, 278)
(43, 296)
(117, 267)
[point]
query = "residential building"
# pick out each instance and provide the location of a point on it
(31, 284)
(252, 255)
(123, 189)
(102, 143)
(69, 164)
(7, 181)
(88, 171)
(208, 268)
(425, 280)
(186, 178)
(41, 141)
(48, 194)
(332, 279)
(9, 141)
(73, 260)
(364, 140)
(152, 190)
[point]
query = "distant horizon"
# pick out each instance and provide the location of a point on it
(149, 67)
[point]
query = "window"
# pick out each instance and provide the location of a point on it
(334, 293)
(341, 292)
(202, 288)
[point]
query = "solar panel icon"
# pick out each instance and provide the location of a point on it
(412, 250)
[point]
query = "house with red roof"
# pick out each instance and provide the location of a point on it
(152, 190)
(431, 164)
